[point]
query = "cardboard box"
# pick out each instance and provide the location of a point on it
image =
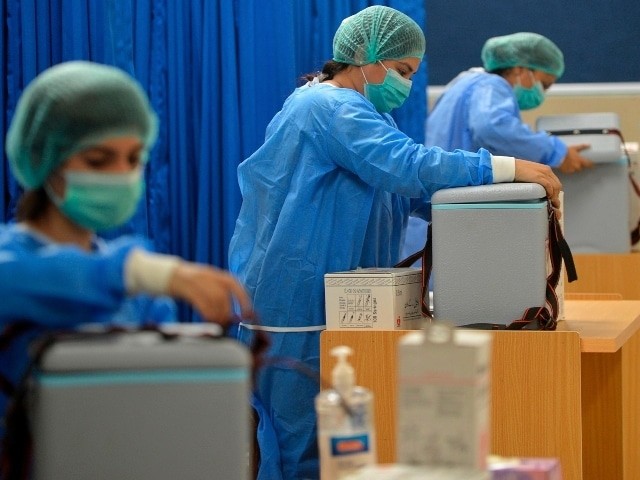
(373, 299)
(444, 398)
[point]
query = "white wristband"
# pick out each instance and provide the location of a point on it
(146, 272)
(504, 168)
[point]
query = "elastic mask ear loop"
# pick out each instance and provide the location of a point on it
(53, 196)
(364, 76)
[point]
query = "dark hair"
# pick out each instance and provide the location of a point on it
(329, 70)
(32, 205)
(502, 71)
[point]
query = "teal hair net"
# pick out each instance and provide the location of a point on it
(377, 33)
(523, 49)
(70, 107)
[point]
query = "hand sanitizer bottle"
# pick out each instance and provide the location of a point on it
(346, 434)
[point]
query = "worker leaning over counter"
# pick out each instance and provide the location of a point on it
(480, 108)
(331, 189)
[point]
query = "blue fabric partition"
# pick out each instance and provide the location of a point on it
(216, 72)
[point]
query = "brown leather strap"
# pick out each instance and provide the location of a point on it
(426, 254)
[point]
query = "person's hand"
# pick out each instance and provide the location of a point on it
(533, 172)
(574, 162)
(209, 290)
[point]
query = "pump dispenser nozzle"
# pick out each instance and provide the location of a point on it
(343, 375)
(346, 433)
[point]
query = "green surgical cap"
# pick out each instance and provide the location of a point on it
(70, 107)
(377, 33)
(523, 49)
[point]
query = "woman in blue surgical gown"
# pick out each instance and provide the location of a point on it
(331, 189)
(77, 144)
(480, 108)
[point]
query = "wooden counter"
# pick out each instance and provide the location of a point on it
(572, 394)
(607, 273)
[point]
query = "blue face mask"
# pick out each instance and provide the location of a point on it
(389, 94)
(99, 201)
(529, 98)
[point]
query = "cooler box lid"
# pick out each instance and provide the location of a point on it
(599, 130)
(499, 195)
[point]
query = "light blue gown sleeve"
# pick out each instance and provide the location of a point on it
(61, 286)
(495, 123)
(385, 158)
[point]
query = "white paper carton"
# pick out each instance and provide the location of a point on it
(444, 399)
(373, 299)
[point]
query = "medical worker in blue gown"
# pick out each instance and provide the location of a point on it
(480, 108)
(331, 189)
(78, 143)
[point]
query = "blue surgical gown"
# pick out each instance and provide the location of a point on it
(57, 287)
(330, 190)
(479, 110)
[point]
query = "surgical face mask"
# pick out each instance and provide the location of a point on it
(529, 98)
(389, 94)
(99, 201)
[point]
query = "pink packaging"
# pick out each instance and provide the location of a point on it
(525, 468)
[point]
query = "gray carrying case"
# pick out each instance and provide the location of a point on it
(588, 128)
(489, 252)
(596, 200)
(596, 209)
(138, 406)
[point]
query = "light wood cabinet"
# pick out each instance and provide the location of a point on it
(573, 393)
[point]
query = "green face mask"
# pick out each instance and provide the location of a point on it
(529, 98)
(389, 94)
(98, 201)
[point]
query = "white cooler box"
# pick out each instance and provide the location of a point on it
(489, 252)
(135, 406)
(596, 200)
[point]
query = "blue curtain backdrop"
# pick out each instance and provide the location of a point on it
(216, 72)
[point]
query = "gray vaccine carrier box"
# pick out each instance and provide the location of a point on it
(135, 406)
(489, 252)
(596, 200)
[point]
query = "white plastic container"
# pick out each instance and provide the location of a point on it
(346, 432)
(444, 397)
